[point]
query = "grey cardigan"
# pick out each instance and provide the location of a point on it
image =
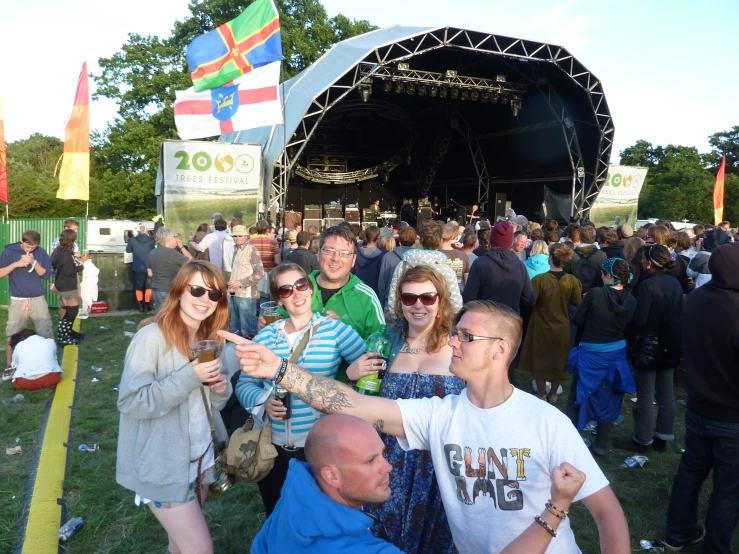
(153, 438)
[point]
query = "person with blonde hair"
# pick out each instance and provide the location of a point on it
(418, 367)
(165, 448)
(538, 261)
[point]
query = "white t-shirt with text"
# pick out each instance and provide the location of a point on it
(494, 465)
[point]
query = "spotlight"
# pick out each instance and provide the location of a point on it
(411, 89)
(404, 66)
(451, 73)
(443, 92)
(500, 78)
(433, 89)
(387, 86)
(504, 99)
(365, 91)
(485, 96)
(495, 98)
(465, 94)
(399, 87)
(421, 90)
(455, 93)
(515, 107)
(475, 96)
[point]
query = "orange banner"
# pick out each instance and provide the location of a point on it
(718, 194)
(74, 176)
(3, 159)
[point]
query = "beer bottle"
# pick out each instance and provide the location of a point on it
(377, 342)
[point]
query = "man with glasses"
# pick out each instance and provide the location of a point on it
(496, 449)
(243, 292)
(26, 264)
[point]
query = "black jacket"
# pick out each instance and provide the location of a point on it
(141, 246)
(679, 272)
(65, 279)
(604, 314)
(368, 265)
(613, 251)
(711, 340)
(500, 275)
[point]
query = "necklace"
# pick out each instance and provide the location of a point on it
(193, 352)
(406, 350)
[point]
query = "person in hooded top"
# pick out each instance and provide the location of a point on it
(538, 261)
(369, 260)
(699, 269)
(390, 261)
(601, 370)
(611, 246)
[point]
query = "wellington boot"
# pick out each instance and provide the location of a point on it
(140, 306)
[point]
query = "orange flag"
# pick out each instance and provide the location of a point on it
(718, 194)
(74, 176)
(3, 160)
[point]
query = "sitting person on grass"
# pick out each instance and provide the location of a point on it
(34, 361)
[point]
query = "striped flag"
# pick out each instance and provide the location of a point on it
(74, 176)
(237, 47)
(718, 194)
(250, 101)
(3, 159)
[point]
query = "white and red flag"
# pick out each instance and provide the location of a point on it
(247, 102)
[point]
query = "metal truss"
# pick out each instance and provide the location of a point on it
(588, 175)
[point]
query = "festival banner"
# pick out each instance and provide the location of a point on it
(718, 194)
(74, 176)
(619, 196)
(251, 101)
(201, 178)
(3, 159)
(237, 47)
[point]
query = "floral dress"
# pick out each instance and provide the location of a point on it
(413, 516)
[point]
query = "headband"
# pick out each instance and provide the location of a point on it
(608, 268)
(649, 255)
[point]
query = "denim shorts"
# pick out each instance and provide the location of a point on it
(207, 478)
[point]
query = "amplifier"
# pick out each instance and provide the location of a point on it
(313, 211)
(332, 221)
(424, 213)
(352, 215)
(333, 212)
(307, 223)
(370, 216)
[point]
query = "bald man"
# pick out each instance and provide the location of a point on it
(498, 452)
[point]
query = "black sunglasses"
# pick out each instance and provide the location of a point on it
(427, 298)
(197, 291)
(286, 291)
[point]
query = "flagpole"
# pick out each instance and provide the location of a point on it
(284, 151)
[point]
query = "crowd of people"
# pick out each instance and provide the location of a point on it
(466, 459)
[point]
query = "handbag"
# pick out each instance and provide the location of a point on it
(250, 454)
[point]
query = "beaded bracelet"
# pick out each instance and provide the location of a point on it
(561, 514)
(545, 525)
(280, 371)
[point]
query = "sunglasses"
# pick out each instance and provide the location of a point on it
(286, 291)
(197, 291)
(427, 298)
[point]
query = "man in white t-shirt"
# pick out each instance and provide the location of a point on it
(494, 447)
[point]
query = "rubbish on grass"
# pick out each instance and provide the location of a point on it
(635, 399)
(635, 462)
(104, 327)
(619, 420)
(13, 451)
(129, 322)
(17, 440)
(67, 530)
(2, 348)
(128, 334)
(652, 545)
(681, 451)
(682, 402)
(548, 387)
(16, 398)
(84, 448)
(115, 388)
(96, 369)
(95, 380)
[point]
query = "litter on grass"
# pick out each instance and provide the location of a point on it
(129, 322)
(635, 462)
(96, 369)
(128, 334)
(13, 451)
(95, 380)
(84, 448)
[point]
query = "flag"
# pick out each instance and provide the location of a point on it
(74, 176)
(3, 159)
(718, 194)
(237, 47)
(250, 101)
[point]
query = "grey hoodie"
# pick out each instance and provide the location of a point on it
(387, 268)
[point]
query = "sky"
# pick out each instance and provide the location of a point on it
(668, 67)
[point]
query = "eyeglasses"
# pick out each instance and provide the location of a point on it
(342, 253)
(466, 337)
(427, 298)
(286, 291)
(197, 291)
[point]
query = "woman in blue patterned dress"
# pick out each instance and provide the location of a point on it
(414, 516)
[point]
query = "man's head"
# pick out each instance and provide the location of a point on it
(303, 239)
(625, 231)
(239, 234)
(431, 235)
(371, 234)
(166, 237)
(725, 225)
(502, 328)
(262, 227)
(501, 236)
(408, 236)
(72, 223)
(587, 234)
(338, 252)
(220, 225)
(448, 233)
(395, 226)
(520, 242)
(30, 240)
(345, 456)
(291, 237)
(610, 237)
(469, 241)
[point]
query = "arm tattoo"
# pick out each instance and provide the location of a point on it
(321, 393)
(379, 425)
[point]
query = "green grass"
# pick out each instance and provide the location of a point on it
(115, 525)
(185, 215)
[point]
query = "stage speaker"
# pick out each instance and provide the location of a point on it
(352, 215)
(308, 222)
(333, 211)
(332, 221)
(292, 219)
(370, 216)
(313, 211)
(424, 213)
(499, 208)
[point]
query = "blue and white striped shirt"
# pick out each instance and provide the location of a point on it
(328, 345)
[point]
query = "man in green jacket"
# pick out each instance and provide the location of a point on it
(339, 294)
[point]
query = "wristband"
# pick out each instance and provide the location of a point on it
(280, 371)
(546, 526)
(561, 514)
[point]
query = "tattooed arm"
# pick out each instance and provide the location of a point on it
(321, 393)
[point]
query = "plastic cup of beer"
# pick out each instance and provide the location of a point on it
(270, 312)
(208, 350)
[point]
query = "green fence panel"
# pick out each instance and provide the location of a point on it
(49, 229)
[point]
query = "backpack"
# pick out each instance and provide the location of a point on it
(587, 273)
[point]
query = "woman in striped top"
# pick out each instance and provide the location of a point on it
(330, 342)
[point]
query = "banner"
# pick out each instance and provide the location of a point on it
(74, 176)
(203, 178)
(3, 160)
(619, 196)
(718, 194)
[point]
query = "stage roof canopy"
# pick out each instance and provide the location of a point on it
(430, 107)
